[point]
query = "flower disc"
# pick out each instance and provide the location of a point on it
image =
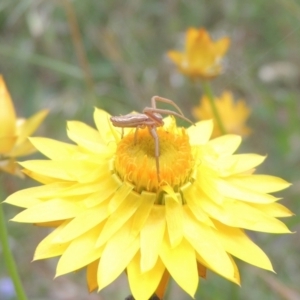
(136, 161)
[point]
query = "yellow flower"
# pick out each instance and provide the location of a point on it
(14, 132)
(232, 114)
(202, 56)
(111, 215)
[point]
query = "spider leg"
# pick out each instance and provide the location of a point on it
(150, 111)
(153, 132)
(155, 117)
(155, 99)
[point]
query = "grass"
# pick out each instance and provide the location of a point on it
(69, 56)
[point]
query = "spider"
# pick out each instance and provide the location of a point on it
(151, 118)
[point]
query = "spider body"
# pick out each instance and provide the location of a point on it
(137, 120)
(151, 118)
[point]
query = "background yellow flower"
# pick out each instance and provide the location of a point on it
(202, 57)
(14, 132)
(233, 114)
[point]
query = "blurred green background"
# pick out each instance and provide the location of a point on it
(70, 56)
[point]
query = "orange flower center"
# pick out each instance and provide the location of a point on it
(135, 160)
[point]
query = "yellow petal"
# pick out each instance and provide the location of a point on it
(82, 189)
(116, 256)
(273, 209)
(234, 277)
(176, 56)
(170, 124)
(82, 223)
(46, 248)
(236, 274)
(40, 178)
(239, 214)
(181, 264)
(174, 220)
(200, 134)
(30, 126)
(118, 218)
(98, 171)
(152, 235)
(66, 170)
(86, 137)
(26, 148)
(226, 144)
(91, 275)
(170, 192)
(222, 46)
(121, 194)
(199, 49)
(192, 34)
(51, 210)
(80, 252)
(106, 189)
(206, 182)
(160, 291)
(107, 132)
(54, 149)
(143, 284)
(194, 201)
(261, 183)
(32, 196)
(141, 215)
(53, 224)
(235, 164)
(7, 115)
(207, 245)
(231, 190)
(237, 243)
(6, 143)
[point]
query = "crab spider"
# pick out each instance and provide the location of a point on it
(150, 118)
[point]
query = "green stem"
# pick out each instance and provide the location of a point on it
(207, 90)
(9, 260)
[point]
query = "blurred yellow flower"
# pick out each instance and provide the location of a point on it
(111, 215)
(202, 57)
(14, 132)
(232, 114)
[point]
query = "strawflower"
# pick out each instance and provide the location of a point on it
(233, 114)
(14, 132)
(202, 56)
(110, 214)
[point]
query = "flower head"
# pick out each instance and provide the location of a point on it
(202, 56)
(233, 114)
(110, 214)
(14, 132)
